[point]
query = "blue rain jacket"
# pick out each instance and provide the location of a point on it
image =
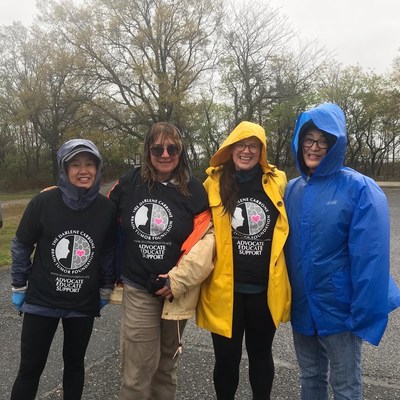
(338, 248)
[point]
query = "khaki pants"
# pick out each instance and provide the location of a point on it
(148, 345)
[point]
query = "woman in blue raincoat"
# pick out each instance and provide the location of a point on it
(337, 257)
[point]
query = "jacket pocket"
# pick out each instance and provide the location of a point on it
(342, 285)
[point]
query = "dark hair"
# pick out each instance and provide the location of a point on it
(228, 187)
(182, 172)
(306, 127)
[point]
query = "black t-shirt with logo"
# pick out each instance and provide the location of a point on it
(155, 223)
(65, 271)
(253, 225)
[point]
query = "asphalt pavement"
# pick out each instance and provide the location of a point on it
(381, 365)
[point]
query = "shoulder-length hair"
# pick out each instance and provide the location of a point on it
(182, 173)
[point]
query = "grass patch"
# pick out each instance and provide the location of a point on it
(12, 213)
(25, 195)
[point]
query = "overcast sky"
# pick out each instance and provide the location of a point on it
(355, 31)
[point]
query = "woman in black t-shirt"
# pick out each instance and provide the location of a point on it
(70, 229)
(248, 293)
(159, 206)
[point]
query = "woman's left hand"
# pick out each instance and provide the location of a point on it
(166, 290)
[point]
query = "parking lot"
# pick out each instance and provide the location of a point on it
(381, 365)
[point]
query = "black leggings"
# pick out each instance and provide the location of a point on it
(36, 338)
(250, 315)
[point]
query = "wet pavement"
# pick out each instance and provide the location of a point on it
(381, 365)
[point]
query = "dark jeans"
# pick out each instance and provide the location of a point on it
(251, 317)
(36, 338)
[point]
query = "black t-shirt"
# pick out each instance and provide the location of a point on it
(155, 223)
(253, 225)
(66, 270)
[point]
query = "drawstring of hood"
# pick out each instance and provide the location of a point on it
(74, 197)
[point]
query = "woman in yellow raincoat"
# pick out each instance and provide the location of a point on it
(248, 291)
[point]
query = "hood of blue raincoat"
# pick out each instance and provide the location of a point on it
(328, 118)
(74, 197)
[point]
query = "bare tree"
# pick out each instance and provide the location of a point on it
(264, 67)
(146, 55)
(370, 102)
(39, 73)
(254, 35)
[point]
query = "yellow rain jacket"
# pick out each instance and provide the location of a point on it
(215, 306)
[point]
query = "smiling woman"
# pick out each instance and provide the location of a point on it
(163, 213)
(82, 169)
(70, 274)
(350, 274)
(242, 297)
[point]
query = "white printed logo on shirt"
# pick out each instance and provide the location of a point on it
(72, 251)
(151, 220)
(251, 218)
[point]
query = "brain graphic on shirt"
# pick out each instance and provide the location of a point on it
(159, 220)
(256, 217)
(80, 253)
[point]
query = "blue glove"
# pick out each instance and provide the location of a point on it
(18, 299)
(103, 302)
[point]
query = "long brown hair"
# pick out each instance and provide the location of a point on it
(182, 173)
(228, 187)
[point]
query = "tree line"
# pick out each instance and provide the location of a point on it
(106, 70)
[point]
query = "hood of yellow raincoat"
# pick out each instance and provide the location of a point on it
(243, 131)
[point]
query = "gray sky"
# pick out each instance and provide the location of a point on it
(12, 10)
(355, 31)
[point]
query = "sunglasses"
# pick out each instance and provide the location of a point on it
(157, 150)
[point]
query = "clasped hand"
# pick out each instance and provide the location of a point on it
(165, 291)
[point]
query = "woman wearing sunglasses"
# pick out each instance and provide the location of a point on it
(167, 251)
(248, 292)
